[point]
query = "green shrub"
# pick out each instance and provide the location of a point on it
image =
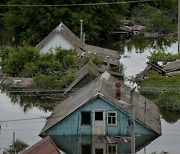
(44, 81)
(160, 55)
(169, 101)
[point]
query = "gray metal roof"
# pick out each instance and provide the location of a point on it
(75, 41)
(90, 66)
(172, 66)
(106, 87)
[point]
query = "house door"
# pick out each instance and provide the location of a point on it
(99, 122)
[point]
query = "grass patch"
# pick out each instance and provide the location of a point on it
(157, 83)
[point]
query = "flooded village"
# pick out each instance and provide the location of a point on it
(67, 94)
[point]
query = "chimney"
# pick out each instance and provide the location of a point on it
(118, 90)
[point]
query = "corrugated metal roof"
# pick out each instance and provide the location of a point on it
(45, 146)
(146, 111)
(75, 41)
(172, 66)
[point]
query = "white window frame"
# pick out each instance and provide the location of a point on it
(115, 117)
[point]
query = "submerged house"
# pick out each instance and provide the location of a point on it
(99, 144)
(172, 68)
(88, 73)
(103, 108)
(63, 37)
(154, 67)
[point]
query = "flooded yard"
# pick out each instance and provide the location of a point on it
(28, 123)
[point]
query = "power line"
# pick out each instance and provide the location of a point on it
(13, 120)
(71, 5)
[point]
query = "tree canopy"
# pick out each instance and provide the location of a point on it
(32, 24)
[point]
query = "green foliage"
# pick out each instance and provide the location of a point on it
(96, 59)
(53, 69)
(160, 22)
(160, 55)
(45, 81)
(155, 18)
(14, 59)
(169, 116)
(156, 83)
(21, 23)
(169, 101)
(17, 147)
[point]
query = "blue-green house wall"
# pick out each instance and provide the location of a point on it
(71, 125)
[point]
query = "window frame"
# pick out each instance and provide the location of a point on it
(89, 112)
(112, 152)
(111, 117)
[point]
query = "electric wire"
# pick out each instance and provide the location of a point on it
(73, 5)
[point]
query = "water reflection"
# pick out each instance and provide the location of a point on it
(140, 44)
(28, 100)
(98, 144)
(169, 116)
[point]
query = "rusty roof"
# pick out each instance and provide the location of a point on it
(45, 146)
(75, 41)
(106, 87)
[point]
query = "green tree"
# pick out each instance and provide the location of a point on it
(14, 59)
(98, 20)
(154, 18)
(17, 146)
(160, 22)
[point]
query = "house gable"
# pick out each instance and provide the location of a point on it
(56, 41)
(71, 125)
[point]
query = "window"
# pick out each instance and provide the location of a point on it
(85, 118)
(112, 149)
(98, 115)
(86, 149)
(99, 151)
(112, 117)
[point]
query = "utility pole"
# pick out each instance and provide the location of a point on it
(81, 32)
(14, 137)
(178, 26)
(132, 123)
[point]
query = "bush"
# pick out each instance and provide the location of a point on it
(160, 55)
(169, 101)
(44, 81)
(14, 59)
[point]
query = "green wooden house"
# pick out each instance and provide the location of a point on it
(103, 108)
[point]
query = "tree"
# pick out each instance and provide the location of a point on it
(99, 20)
(17, 146)
(155, 19)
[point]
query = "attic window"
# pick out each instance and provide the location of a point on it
(85, 118)
(112, 117)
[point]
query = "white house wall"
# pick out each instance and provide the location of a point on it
(56, 41)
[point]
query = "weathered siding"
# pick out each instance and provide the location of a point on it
(56, 41)
(71, 125)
